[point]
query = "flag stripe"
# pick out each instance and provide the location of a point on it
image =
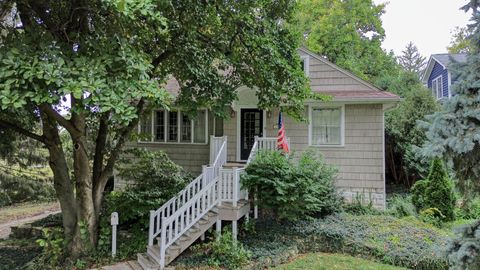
(281, 141)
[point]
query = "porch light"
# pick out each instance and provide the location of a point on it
(232, 112)
(269, 114)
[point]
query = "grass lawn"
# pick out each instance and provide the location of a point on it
(321, 261)
(24, 210)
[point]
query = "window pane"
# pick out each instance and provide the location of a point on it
(159, 126)
(186, 129)
(172, 127)
(326, 126)
(199, 127)
(146, 127)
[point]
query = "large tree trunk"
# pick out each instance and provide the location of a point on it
(61, 178)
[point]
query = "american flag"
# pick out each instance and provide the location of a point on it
(281, 139)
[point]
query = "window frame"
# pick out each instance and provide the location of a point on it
(342, 125)
(179, 128)
(306, 64)
(438, 83)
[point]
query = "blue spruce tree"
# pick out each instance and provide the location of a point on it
(454, 133)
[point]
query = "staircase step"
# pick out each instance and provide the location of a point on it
(146, 262)
(154, 252)
(234, 164)
(134, 265)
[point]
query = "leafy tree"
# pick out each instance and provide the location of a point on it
(454, 131)
(91, 68)
(411, 60)
(347, 33)
(406, 137)
(460, 42)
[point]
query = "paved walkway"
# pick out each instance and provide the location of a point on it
(130, 265)
(5, 228)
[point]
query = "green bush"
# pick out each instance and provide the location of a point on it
(152, 179)
(472, 211)
(290, 188)
(432, 216)
(435, 192)
(224, 252)
(400, 206)
(17, 189)
(358, 207)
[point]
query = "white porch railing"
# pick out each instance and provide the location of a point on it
(229, 186)
(263, 143)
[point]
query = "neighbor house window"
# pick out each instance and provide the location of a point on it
(326, 126)
(437, 87)
(173, 127)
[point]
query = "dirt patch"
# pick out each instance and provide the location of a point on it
(20, 214)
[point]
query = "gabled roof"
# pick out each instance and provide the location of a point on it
(357, 90)
(365, 92)
(444, 59)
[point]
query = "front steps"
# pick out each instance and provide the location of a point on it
(150, 260)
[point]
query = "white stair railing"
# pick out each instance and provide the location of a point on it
(216, 143)
(171, 206)
(221, 156)
(185, 195)
(184, 218)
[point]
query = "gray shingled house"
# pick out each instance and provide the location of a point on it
(348, 131)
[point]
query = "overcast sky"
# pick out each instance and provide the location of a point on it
(427, 23)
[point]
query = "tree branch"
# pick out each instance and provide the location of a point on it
(99, 185)
(9, 125)
(52, 113)
(100, 144)
(161, 58)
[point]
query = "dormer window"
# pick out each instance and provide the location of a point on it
(437, 87)
(305, 64)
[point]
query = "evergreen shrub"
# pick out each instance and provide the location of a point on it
(463, 252)
(436, 191)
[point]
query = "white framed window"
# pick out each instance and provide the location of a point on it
(305, 62)
(437, 87)
(162, 126)
(327, 126)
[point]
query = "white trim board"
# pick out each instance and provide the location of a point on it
(342, 126)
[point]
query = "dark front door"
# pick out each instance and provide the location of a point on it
(251, 125)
